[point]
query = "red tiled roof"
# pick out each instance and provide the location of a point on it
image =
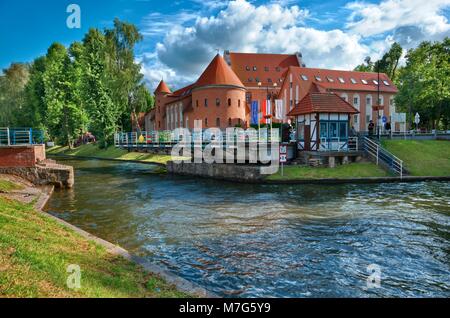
(218, 73)
(315, 102)
(162, 88)
(334, 75)
(268, 66)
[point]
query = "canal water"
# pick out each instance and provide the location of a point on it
(243, 240)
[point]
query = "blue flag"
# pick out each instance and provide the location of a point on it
(254, 113)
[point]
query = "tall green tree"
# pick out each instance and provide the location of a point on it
(12, 94)
(65, 116)
(126, 80)
(424, 85)
(35, 107)
(103, 112)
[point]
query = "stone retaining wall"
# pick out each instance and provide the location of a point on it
(60, 176)
(233, 172)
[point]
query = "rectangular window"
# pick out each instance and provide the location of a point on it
(333, 130)
(355, 100)
(343, 130)
(206, 102)
(301, 131)
(323, 130)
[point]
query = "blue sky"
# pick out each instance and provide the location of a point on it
(180, 37)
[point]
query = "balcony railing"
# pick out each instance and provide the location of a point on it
(20, 136)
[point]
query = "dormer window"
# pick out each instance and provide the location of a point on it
(341, 80)
(353, 80)
(375, 82)
(269, 80)
(247, 68)
(330, 79)
(364, 81)
(257, 79)
(304, 77)
(318, 78)
(386, 83)
(254, 68)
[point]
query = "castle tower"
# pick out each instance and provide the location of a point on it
(161, 93)
(218, 98)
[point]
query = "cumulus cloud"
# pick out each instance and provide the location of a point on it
(192, 39)
(410, 21)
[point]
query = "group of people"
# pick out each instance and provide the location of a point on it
(371, 128)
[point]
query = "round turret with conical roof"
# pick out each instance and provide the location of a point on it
(218, 96)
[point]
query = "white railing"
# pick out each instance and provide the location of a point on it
(382, 156)
(167, 137)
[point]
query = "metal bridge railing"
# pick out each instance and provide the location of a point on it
(167, 138)
(382, 156)
(20, 136)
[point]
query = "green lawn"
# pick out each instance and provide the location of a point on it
(111, 152)
(35, 251)
(422, 157)
(353, 170)
(6, 186)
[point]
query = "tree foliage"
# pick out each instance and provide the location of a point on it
(423, 82)
(94, 85)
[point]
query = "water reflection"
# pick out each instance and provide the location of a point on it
(266, 240)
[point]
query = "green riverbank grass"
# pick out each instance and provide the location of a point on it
(353, 170)
(422, 157)
(6, 186)
(35, 251)
(92, 150)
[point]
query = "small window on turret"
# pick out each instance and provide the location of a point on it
(217, 102)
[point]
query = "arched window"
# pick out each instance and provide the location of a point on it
(229, 101)
(381, 100)
(206, 102)
(368, 108)
(344, 97)
(217, 122)
(239, 121)
(196, 103)
(239, 103)
(229, 122)
(206, 122)
(217, 101)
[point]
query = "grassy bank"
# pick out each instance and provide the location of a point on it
(354, 170)
(35, 251)
(422, 157)
(111, 152)
(6, 185)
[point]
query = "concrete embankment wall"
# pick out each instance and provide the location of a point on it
(58, 175)
(233, 172)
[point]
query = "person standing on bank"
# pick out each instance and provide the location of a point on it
(387, 127)
(370, 128)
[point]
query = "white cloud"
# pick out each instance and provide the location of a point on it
(409, 20)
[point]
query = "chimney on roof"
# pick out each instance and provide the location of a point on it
(300, 59)
(226, 57)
